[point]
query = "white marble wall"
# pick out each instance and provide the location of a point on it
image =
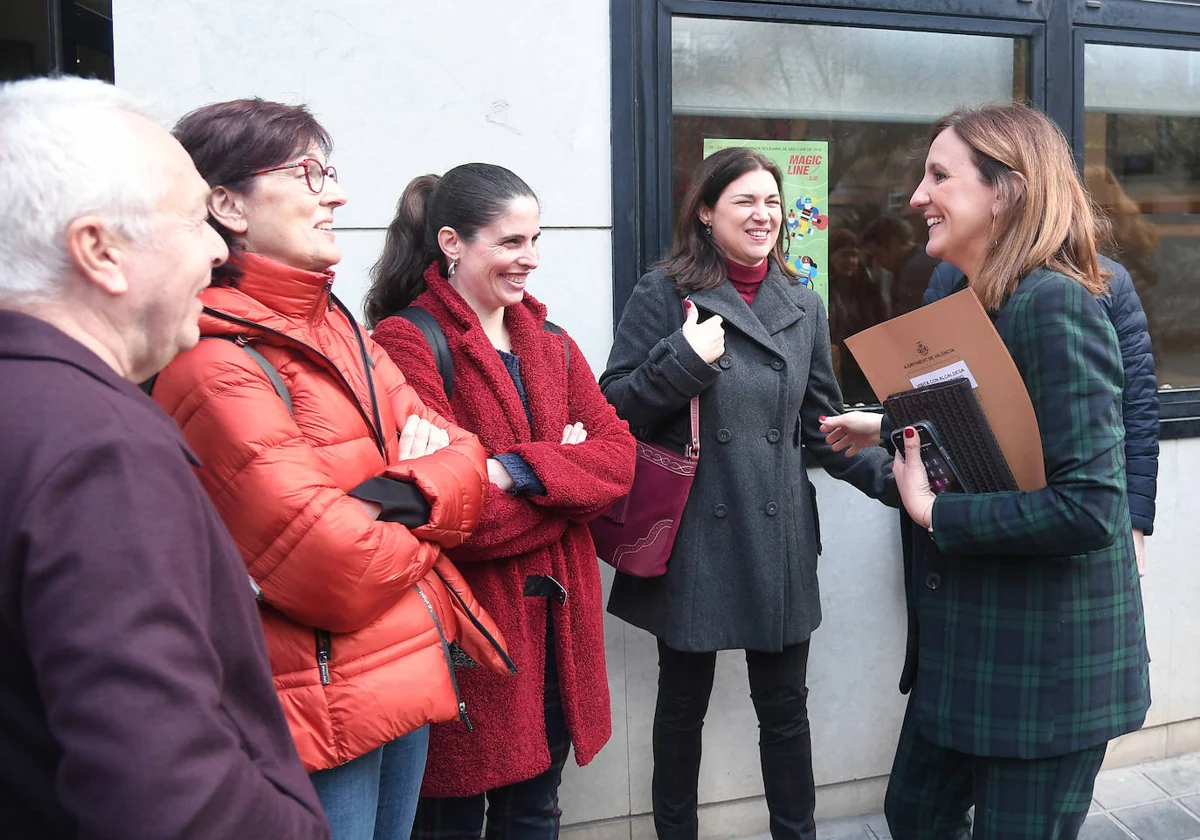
(408, 88)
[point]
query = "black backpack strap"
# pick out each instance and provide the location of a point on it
(436, 339)
(550, 326)
(269, 369)
(259, 359)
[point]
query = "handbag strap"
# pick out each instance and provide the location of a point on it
(692, 450)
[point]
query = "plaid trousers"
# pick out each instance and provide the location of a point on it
(932, 788)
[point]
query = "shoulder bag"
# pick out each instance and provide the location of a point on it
(636, 534)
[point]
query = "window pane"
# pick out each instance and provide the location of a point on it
(869, 95)
(1142, 165)
(24, 39)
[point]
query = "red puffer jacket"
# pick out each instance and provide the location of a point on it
(358, 613)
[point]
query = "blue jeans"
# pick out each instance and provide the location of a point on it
(374, 796)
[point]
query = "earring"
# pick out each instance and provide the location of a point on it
(451, 269)
(708, 229)
(993, 242)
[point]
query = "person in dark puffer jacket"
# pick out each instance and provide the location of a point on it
(1139, 399)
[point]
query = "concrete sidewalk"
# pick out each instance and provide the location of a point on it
(1159, 800)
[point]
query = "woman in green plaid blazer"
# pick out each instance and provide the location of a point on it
(1026, 649)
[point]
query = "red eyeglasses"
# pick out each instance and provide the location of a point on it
(314, 172)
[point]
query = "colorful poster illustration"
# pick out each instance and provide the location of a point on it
(805, 168)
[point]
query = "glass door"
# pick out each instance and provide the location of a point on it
(846, 112)
(1142, 165)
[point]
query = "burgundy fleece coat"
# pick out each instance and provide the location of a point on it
(520, 536)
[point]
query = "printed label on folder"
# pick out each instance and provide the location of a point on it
(955, 337)
(942, 374)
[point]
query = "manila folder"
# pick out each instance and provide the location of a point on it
(949, 338)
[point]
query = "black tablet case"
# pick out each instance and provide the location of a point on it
(955, 412)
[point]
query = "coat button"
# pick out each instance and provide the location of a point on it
(725, 362)
(724, 436)
(772, 508)
(777, 364)
(773, 436)
(719, 511)
(933, 580)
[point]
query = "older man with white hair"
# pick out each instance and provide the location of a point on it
(135, 694)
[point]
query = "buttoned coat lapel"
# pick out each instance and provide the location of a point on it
(1026, 635)
(743, 572)
(773, 307)
(726, 302)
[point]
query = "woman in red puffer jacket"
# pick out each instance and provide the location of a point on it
(340, 487)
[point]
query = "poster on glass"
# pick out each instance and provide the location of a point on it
(805, 168)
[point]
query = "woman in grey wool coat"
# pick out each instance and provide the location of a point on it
(721, 317)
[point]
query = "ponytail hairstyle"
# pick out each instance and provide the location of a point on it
(466, 198)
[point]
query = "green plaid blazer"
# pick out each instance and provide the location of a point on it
(1026, 632)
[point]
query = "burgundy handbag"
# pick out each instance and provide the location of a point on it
(636, 534)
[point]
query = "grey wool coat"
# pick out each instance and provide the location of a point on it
(743, 572)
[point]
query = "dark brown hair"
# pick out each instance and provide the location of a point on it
(696, 262)
(466, 198)
(230, 141)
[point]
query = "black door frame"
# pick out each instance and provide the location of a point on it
(1179, 408)
(1057, 31)
(1165, 16)
(641, 85)
(70, 26)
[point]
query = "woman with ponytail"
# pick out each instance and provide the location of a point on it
(462, 248)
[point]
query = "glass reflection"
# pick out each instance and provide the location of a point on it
(871, 94)
(1143, 167)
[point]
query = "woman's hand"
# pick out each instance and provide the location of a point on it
(372, 509)
(853, 431)
(499, 475)
(574, 433)
(420, 437)
(707, 339)
(913, 481)
(1139, 550)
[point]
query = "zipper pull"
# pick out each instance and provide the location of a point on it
(329, 294)
(323, 645)
(462, 713)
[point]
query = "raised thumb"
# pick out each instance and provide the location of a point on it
(692, 314)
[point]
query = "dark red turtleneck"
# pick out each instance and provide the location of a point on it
(746, 279)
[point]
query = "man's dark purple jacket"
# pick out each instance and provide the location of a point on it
(135, 695)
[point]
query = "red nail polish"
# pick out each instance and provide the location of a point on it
(822, 418)
(910, 432)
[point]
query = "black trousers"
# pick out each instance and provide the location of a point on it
(785, 744)
(525, 810)
(931, 789)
